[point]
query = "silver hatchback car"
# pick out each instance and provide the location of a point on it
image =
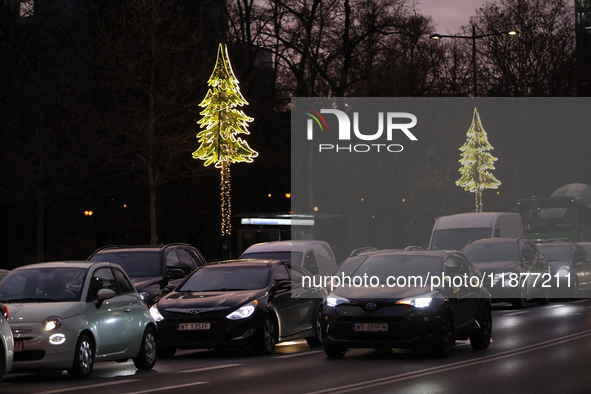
(69, 315)
(6, 343)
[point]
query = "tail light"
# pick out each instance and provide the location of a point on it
(4, 311)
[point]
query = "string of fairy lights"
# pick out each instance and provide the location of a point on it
(221, 122)
(476, 161)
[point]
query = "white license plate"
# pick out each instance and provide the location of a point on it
(193, 326)
(18, 346)
(371, 327)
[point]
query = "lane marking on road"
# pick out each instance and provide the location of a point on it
(168, 388)
(552, 306)
(210, 368)
(515, 313)
(466, 342)
(457, 365)
(579, 301)
(90, 386)
(300, 354)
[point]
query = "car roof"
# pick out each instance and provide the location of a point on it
(70, 264)
(138, 248)
(440, 253)
(494, 241)
(246, 262)
(282, 246)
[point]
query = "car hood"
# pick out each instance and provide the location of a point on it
(385, 293)
(496, 266)
(28, 312)
(142, 282)
(221, 299)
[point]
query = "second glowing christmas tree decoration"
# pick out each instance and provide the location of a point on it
(476, 161)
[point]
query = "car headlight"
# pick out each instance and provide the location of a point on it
(420, 302)
(334, 300)
(51, 324)
(563, 271)
(156, 313)
(244, 311)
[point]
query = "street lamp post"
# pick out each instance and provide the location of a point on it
(473, 37)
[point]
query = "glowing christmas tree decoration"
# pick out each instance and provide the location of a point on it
(476, 161)
(221, 122)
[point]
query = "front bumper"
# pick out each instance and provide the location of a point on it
(223, 332)
(37, 352)
(408, 327)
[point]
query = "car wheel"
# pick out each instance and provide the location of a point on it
(481, 340)
(521, 301)
(268, 338)
(574, 292)
(166, 351)
(83, 358)
(544, 300)
(316, 340)
(146, 358)
(334, 351)
(443, 346)
(1, 364)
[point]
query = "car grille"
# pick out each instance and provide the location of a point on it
(29, 355)
(398, 330)
(169, 334)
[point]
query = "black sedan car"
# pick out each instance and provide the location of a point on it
(570, 267)
(239, 303)
(152, 267)
(407, 299)
(514, 270)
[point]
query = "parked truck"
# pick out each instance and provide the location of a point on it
(564, 216)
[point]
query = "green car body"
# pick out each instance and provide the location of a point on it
(94, 314)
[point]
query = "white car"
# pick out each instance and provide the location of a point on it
(69, 315)
(6, 343)
(315, 257)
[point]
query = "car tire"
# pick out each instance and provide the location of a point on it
(521, 301)
(442, 348)
(166, 351)
(1, 364)
(268, 337)
(334, 351)
(544, 300)
(316, 340)
(83, 358)
(146, 358)
(574, 292)
(481, 340)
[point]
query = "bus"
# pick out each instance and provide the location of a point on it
(550, 219)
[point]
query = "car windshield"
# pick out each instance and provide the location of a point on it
(457, 238)
(285, 255)
(230, 278)
(486, 252)
(555, 252)
(399, 265)
(47, 284)
(136, 264)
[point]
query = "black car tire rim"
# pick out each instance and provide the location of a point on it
(486, 326)
(269, 335)
(446, 333)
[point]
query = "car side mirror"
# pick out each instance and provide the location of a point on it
(175, 273)
(282, 285)
(103, 294)
(529, 257)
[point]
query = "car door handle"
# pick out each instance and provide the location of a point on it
(127, 310)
